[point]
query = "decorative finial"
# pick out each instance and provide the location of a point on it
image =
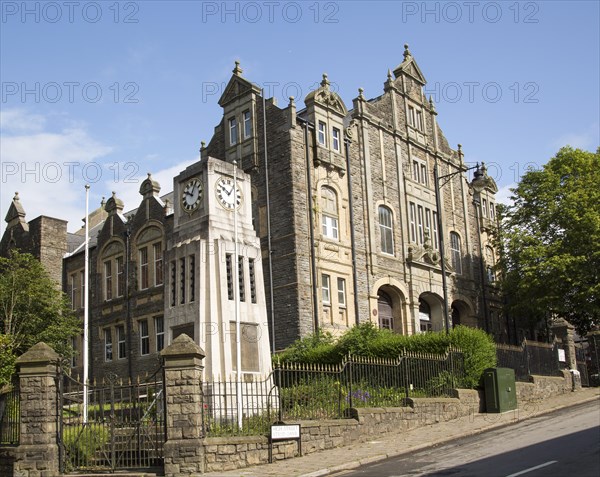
(237, 70)
(149, 175)
(202, 144)
(360, 93)
(16, 197)
(389, 75)
(114, 194)
(431, 105)
(406, 51)
(234, 163)
(103, 202)
(325, 82)
(291, 101)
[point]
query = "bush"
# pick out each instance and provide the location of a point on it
(369, 341)
(83, 442)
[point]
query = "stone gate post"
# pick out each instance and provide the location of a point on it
(37, 454)
(183, 450)
(565, 332)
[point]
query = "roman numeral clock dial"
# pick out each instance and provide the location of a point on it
(191, 195)
(226, 195)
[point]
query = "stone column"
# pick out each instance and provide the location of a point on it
(184, 448)
(565, 332)
(37, 454)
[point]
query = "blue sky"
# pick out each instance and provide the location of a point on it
(104, 92)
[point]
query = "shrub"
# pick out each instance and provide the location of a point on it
(478, 349)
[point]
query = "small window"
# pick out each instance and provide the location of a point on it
(325, 289)
(484, 207)
(158, 264)
(73, 280)
(341, 283)
(121, 342)
(436, 238)
(413, 223)
(386, 230)
(192, 278)
(108, 350)
(455, 252)
(144, 268)
(144, 338)
(182, 280)
(229, 270)
(420, 224)
(247, 124)
(241, 281)
(415, 171)
(419, 124)
(108, 291)
(233, 132)
(322, 134)
(423, 174)
(336, 139)
(173, 276)
(82, 283)
(120, 276)
(411, 116)
(252, 274)
(490, 261)
(159, 329)
(492, 211)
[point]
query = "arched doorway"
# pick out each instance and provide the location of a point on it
(385, 310)
(455, 316)
(431, 315)
(462, 314)
(425, 316)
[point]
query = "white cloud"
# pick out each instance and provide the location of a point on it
(587, 139)
(48, 169)
(504, 193)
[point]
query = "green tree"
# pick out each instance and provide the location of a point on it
(32, 309)
(551, 242)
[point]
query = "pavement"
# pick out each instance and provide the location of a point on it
(394, 444)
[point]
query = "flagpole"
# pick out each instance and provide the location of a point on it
(86, 307)
(238, 338)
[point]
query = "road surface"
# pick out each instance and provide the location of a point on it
(562, 444)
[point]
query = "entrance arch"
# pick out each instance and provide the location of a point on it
(462, 314)
(431, 315)
(390, 305)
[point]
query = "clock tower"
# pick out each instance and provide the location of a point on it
(214, 285)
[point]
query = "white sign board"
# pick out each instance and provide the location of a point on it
(561, 355)
(289, 431)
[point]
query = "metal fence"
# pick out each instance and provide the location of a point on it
(581, 360)
(295, 391)
(10, 415)
(531, 357)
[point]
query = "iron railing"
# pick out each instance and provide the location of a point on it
(531, 357)
(10, 415)
(123, 428)
(296, 391)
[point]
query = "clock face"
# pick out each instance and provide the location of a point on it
(191, 195)
(226, 195)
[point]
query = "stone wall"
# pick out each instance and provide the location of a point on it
(542, 387)
(7, 460)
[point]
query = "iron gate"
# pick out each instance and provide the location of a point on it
(581, 360)
(121, 427)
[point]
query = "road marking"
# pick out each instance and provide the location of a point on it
(533, 468)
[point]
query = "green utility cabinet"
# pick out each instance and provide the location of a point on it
(500, 389)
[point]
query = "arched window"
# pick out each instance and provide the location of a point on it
(113, 270)
(455, 252)
(150, 258)
(329, 215)
(386, 230)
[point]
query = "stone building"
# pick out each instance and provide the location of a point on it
(343, 202)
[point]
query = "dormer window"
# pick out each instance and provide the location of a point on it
(247, 119)
(411, 116)
(419, 124)
(322, 134)
(415, 118)
(233, 131)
